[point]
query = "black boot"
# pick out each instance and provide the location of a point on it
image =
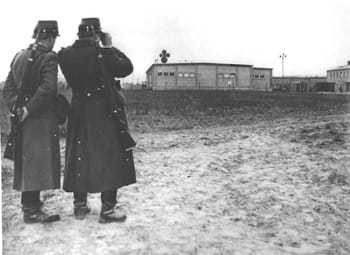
(108, 212)
(31, 206)
(112, 216)
(81, 208)
(39, 216)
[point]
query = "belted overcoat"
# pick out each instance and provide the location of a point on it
(38, 166)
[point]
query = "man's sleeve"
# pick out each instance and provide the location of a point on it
(117, 63)
(47, 88)
(9, 92)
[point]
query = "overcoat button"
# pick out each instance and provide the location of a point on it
(88, 94)
(78, 142)
(79, 158)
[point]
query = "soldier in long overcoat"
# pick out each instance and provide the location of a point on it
(37, 167)
(95, 160)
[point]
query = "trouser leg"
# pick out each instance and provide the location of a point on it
(31, 201)
(108, 200)
(81, 208)
(108, 213)
(80, 199)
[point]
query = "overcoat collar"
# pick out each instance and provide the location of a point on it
(39, 47)
(84, 43)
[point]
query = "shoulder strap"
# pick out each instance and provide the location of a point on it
(25, 84)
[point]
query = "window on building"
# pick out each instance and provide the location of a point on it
(186, 74)
(256, 76)
(262, 76)
(220, 75)
(192, 75)
(159, 73)
(171, 73)
(180, 74)
(226, 75)
(232, 75)
(166, 73)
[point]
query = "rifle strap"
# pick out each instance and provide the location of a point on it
(26, 85)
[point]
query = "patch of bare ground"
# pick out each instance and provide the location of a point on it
(274, 187)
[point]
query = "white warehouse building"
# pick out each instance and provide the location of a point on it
(208, 76)
(341, 77)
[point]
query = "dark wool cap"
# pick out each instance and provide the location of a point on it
(46, 27)
(89, 26)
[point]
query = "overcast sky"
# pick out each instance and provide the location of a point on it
(315, 34)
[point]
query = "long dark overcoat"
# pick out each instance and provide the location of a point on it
(95, 161)
(40, 166)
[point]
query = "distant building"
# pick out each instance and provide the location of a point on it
(131, 86)
(341, 77)
(208, 76)
(296, 83)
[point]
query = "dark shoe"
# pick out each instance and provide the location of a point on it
(112, 216)
(81, 211)
(39, 217)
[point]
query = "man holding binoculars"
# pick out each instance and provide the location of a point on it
(98, 148)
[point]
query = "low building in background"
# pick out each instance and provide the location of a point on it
(130, 85)
(208, 76)
(340, 76)
(297, 83)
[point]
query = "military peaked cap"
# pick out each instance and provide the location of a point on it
(88, 26)
(48, 27)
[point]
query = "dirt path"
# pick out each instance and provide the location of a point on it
(272, 188)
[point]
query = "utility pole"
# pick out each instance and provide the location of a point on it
(283, 56)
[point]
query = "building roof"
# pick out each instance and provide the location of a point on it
(347, 67)
(299, 77)
(262, 68)
(195, 63)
